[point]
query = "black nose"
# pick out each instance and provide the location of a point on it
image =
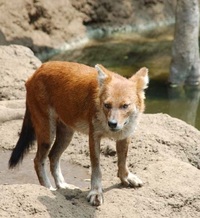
(112, 124)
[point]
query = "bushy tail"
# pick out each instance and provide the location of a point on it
(25, 141)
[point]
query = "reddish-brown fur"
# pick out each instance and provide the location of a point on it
(64, 97)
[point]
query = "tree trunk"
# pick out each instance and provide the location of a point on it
(185, 65)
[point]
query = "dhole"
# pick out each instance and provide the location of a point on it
(63, 97)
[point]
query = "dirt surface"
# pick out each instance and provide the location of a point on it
(164, 153)
(74, 173)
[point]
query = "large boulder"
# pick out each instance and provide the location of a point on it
(17, 64)
(164, 153)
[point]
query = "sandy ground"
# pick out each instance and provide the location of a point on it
(164, 153)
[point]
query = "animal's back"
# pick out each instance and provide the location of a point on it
(68, 88)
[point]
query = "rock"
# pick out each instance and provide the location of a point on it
(17, 64)
(11, 110)
(48, 25)
(164, 153)
(109, 150)
(36, 201)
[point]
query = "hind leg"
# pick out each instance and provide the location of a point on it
(45, 133)
(40, 164)
(64, 135)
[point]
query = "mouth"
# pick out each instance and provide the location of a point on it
(115, 129)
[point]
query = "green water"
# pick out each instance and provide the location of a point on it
(125, 54)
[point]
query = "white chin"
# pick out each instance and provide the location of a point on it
(115, 130)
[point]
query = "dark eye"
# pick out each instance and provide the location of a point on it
(107, 106)
(124, 106)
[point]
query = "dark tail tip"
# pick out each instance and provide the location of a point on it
(24, 143)
(15, 159)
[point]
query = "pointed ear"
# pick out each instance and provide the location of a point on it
(142, 78)
(101, 74)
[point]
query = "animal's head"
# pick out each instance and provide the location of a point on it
(121, 99)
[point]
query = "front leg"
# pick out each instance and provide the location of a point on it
(95, 196)
(127, 178)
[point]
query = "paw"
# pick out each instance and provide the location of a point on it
(132, 180)
(52, 189)
(65, 185)
(95, 197)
